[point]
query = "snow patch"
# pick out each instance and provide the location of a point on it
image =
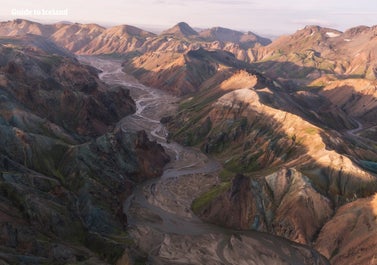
(347, 40)
(332, 34)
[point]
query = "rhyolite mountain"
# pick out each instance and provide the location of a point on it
(81, 38)
(322, 51)
(125, 39)
(293, 123)
(182, 30)
(247, 39)
(65, 170)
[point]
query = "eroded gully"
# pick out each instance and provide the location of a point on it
(159, 216)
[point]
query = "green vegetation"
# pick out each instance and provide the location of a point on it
(245, 164)
(202, 201)
(226, 175)
(311, 130)
(200, 102)
(51, 60)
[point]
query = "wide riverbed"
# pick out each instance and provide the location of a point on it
(159, 215)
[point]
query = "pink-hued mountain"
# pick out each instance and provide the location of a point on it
(94, 39)
(182, 30)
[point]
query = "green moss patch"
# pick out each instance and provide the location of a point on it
(203, 200)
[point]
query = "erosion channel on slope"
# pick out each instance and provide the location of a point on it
(159, 216)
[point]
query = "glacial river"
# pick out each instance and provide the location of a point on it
(159, 216)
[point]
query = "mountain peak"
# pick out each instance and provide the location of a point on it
(129, 31)
(230, 35)
(182, 29)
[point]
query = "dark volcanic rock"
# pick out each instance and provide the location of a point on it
(236, 208)
(64, 174)
(61, 90)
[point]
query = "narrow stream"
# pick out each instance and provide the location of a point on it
(159, 215)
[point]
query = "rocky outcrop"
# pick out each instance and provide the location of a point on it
(350, 236)
(284, 203)
(59, 89)
(301, 209)
(239, 203)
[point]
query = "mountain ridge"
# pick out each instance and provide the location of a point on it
(182, 29)
(94, 39)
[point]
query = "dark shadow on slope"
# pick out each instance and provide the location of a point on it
(61, 195)
(251, 142)
(255, 145)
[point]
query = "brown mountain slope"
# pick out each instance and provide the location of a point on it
(81, 38)
(21, 26)
(313, 52)
(177, 72)
(357, 97)
(118, 39)
(247, 40)
(351, 235)
(124, 39)
(294, 175)
(75, 36)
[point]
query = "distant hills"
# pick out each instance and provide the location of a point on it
(343, 53)
(228, 35)
(94, 39)
(182, 29)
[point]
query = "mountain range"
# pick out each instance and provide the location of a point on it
(292, 121)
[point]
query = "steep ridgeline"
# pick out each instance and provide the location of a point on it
(129, 40)
(180, 73)
(81, 38)
(315, 51)
(283, 174)
(246, 40)
(64, 173)
(331, 71)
